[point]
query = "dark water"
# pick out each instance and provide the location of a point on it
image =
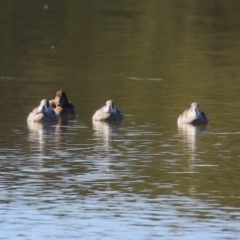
(142, 179)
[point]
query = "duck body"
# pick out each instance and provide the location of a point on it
(62, 107)
(43, 113)
(108, 113)
(193, 115)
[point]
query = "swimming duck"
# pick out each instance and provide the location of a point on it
(108, 113)
(193, 115)
(42, 113)
(62, 107)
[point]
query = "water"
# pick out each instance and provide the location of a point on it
(142, 179)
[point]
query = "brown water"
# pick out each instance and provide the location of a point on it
(145, 178)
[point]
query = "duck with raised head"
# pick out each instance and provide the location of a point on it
(108, 113)
(43, 113)
(193, 115)
(62, 107)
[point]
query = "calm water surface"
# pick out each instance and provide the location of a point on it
(145, 178)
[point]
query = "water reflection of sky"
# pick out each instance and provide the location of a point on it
(112, 215)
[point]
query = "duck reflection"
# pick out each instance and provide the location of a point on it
(39, 134)
(190, 133)
(62, 128)
(105, 132)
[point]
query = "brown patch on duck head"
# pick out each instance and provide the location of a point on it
(61, 99)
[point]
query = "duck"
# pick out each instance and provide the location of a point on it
(62, 107)
(108, 113)
(43, 113)
(193, 115)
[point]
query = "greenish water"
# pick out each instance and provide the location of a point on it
(145, 178)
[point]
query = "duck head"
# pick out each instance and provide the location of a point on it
(194, 111)
(109, 107)
(44, 106)
(61, 98)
